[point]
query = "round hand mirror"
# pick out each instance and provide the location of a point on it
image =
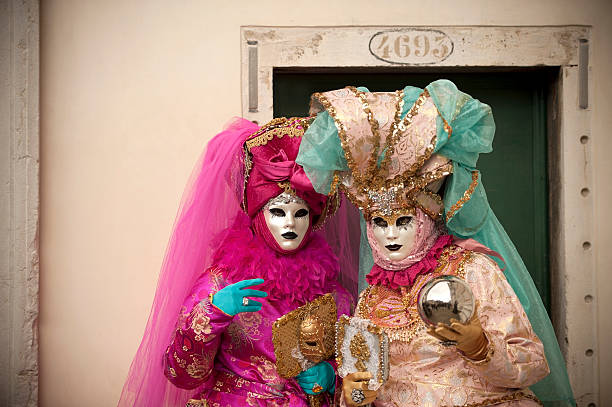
(443, 298)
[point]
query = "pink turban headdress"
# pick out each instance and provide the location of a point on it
(270, 170)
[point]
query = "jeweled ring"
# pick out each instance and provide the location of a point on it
(245, 301)
(317, 388)
(357, 396)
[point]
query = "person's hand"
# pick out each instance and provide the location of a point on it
(470, 338)
(233, 299)
(355, 389)
(319, 378)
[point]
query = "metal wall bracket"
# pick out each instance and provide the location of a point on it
(583, 73)
(253, 85)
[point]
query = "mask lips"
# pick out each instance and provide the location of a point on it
(289, 235)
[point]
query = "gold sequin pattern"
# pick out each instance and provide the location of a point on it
(286, 186)
(405, 124)
(339, 335)
(370, 177)
(437, 201)
(279, 127)
(424, 372)
(392, 138)
(359, 350)
(286, 333)
(374, 128)
(447, 128)
(196, 403)
(419, 182)
(466, 197)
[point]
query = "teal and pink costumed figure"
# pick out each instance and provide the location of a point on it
(407, 160)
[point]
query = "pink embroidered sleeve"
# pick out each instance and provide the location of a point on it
(189, 360)
(516, 355)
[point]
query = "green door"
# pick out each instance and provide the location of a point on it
(514, 174)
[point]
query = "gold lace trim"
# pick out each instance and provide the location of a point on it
(466, 197)
(286, 186)
(196, 403)
(279, 127)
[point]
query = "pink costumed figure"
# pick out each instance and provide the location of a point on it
(243, 253)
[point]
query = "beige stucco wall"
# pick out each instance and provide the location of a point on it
(130, 93)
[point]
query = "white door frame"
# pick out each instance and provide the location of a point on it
(573, 284)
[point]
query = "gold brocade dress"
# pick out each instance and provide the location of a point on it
(423, 372)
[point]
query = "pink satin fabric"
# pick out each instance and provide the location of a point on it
(427, 234)
(280, 168)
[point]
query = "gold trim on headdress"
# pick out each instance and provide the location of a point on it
(387, 157)
(466, 197)
(281, 127)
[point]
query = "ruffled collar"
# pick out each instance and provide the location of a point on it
(407, 276)
(293, 278)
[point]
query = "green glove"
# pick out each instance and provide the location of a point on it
(321, 375)
(230, 299)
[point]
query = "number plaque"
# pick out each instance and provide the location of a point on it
(411, 46)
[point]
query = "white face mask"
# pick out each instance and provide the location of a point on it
(287, 221)
(395, 237)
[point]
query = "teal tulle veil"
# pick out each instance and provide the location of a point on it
(473, 129)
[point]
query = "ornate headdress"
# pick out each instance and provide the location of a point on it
(391, 168)
(387, 150)
(271, 171)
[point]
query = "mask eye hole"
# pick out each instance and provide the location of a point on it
(380, 222)
(277, 212)
(301, 213)
(403, 221)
